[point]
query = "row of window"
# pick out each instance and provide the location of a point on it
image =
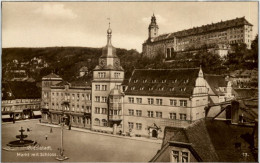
(151, 101)
(68, 96)
(159, 89)
(100, 99)
(101, 87)
(83, 108)
(158, 114)
(162, 81)
(138, 126)
(103, 75)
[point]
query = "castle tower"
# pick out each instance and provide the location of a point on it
(153, 28)
(107, 75)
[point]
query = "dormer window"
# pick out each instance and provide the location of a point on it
(183, 89)
(145, 81)
(153, 81)
(141, 88)
(186, 81)
(163, 81)
(161, 88)
(151, 88)
(135, 81)
(132, 88)
(174, 81)
(171, 89)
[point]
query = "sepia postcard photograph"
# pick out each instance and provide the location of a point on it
(136, 81)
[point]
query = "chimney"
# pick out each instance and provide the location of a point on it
(234, 112)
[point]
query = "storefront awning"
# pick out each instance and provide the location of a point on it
(37, 112)
(7, 116)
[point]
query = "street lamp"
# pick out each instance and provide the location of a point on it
(61, 155)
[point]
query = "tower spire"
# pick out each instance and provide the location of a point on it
(109, 33)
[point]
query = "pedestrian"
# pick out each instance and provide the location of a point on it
(51, 130)
(40, 120)
(46, 137)
(70, 127)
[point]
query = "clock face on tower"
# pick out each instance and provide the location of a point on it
(117, 63)
(102, 62)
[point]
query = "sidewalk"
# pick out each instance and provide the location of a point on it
(26, 120)
(158, 141)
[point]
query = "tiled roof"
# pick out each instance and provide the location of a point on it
(205, 28)
(216, 81)
(162, 82)
(243, 93)
(214, 141)
(52, 75)
(21, 90)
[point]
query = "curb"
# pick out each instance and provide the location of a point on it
(158, 141)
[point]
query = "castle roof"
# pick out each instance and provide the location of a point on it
(162, 82)
(205, 29)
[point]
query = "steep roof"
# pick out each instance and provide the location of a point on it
(51, 75)
(21, 90)
(162, 82)
(242, 93)
(214, 141)
(205, 29)
(216, 81)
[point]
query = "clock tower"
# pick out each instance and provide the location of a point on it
(108, 76)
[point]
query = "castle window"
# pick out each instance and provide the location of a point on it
(97, 87)
(183, 117)
(159, 114)
(174, 81)
(159, 101)
(150, 114)
(173, 102)
(163, 81)
(117, 75)
(175, 156)
(101, 74)
(138, 126)
(183, 103)
(154, 81)
(145, 81)
(131, 112)
(104, 122)
(151, 88)
(97, 110)
(186, 81)
(130, 125)
(131, 99)
(150, 101)
(139, 100)
(172, 89)
(135, 81)
(173, 116)
(132, 88)
(104, 87)
(139, 113)
(142, 88)
(97, 98)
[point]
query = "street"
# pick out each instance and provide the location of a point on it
(79, 146)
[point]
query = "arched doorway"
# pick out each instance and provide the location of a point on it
(154, 134)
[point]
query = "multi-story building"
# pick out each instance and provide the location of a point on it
(158, 98)
(72, 99)
(108, 75)
(20, 100)
(216, 37)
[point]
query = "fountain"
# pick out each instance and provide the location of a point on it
(21, 142)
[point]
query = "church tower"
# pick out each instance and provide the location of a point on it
(153, 28)
(108, 76)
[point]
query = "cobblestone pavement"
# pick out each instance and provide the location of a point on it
(80, 145)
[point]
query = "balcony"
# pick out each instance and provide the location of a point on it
(115, 117)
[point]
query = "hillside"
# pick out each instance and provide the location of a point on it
(65, 61)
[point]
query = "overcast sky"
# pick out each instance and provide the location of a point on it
(45, 24)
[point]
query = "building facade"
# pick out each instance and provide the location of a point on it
(71, 99)
(20, 100)
(108, 75)
(216, 37)
(141, 106)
